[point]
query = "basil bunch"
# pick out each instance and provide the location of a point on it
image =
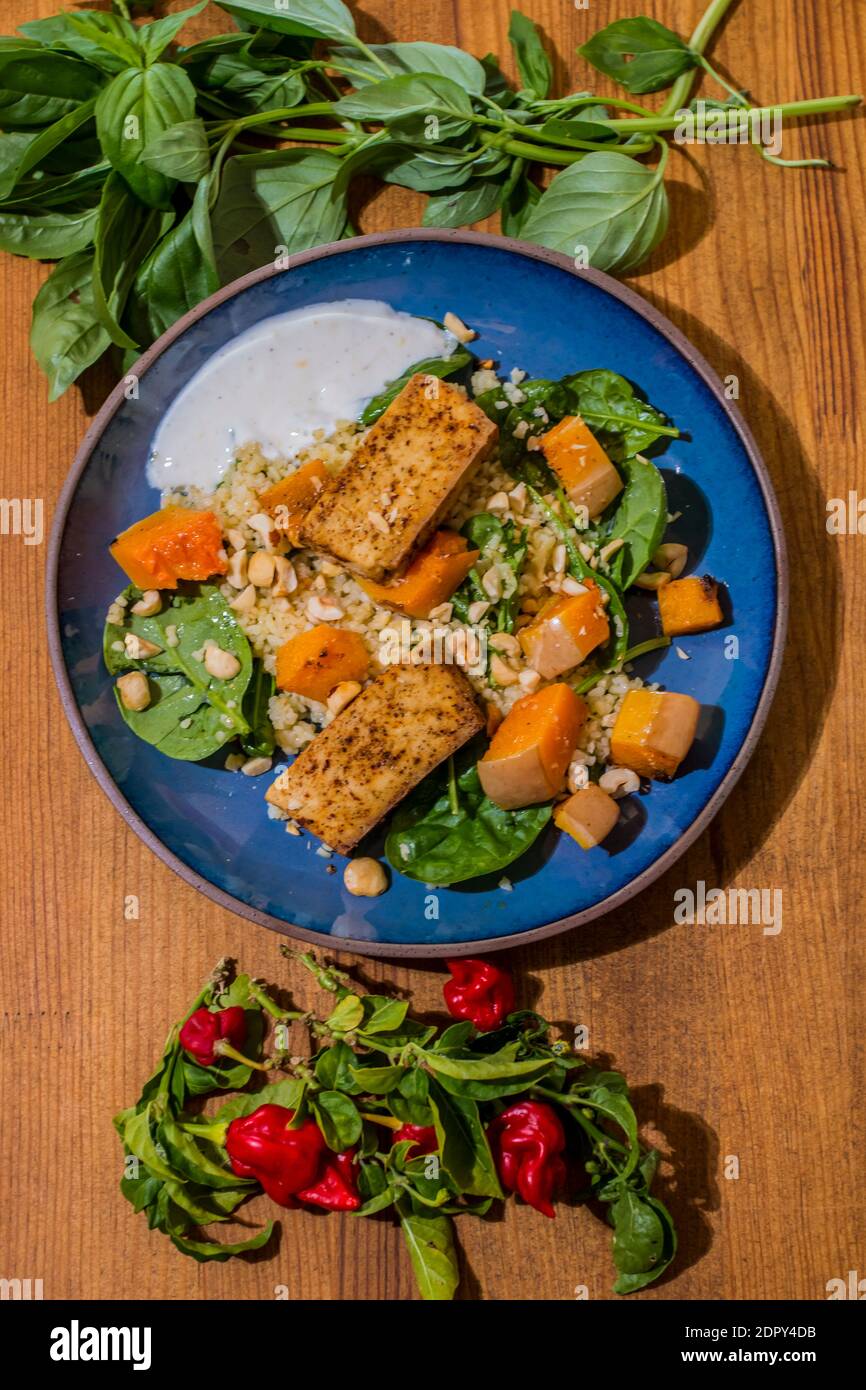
(127, 158)
(373, 1069)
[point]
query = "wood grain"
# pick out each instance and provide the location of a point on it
(739, 1044)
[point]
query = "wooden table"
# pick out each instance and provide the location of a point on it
(740, 1045)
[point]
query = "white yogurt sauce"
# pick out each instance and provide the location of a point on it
(282, 380)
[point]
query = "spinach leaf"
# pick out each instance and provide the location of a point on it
(260, 741)
(640, 519)
(192, 714)
(319, 19)
(431, 843)
(279, 198)
(533, 63)
(623, 422)
(441, 367)
(644, 1241)
(505, 545)
(641, 54)
(137, 106)
(400, 58)
(430, 1241)
(606, 203)
(66, 334)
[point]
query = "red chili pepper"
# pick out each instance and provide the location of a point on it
(480, 992)
(206, 1027)
(423, 1139)
(527, 1140)
(335, 1187)
(285, 1161)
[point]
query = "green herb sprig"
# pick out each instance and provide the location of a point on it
(374, 1068)
(154, 172)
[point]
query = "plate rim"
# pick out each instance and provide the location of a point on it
(395, 950)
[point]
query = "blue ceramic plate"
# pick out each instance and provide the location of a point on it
(531, 310)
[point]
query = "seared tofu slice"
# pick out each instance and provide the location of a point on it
(401, 726)
(401, 479)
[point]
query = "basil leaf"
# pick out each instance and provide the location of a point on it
(66, 335)
(137, 106)
(606, 203)
(400, 58)
(319, 19)
(423, 170)
(203, 1250)
(38, 86)
(107, 41)
(641, 54)
(191, 714)
(441, 367)
(280, 198)
(472, 203)
(640, 519)
(46, 236)
(178, 273)
(32, 150)
(463, 1147)
(242, 85)
(180, 152)
(624, 423)
(430, 1242)
(533, 63)
(126, 233)
(407, 104)
(519, 196)
(430, 843)
(155, 37)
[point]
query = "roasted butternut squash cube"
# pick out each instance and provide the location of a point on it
(565, 632)
(431, 577)
(530, 752)
(169, 545)
(654, 731)
(588, 816)
(315, 662)
(289, 500)
(689, 605)
(584, 469)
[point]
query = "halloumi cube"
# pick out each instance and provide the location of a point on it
(401, 479)
(401, 726)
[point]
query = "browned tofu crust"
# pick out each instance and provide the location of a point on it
(401, 726)
(401, 479)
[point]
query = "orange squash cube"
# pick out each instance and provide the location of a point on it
(289, 500)
(689, 605)
(167, 546)
(654, 731)
(315, 662)
(565, 632)
(584, 469)
(530, 752)
(436, 571)
(588, 816)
